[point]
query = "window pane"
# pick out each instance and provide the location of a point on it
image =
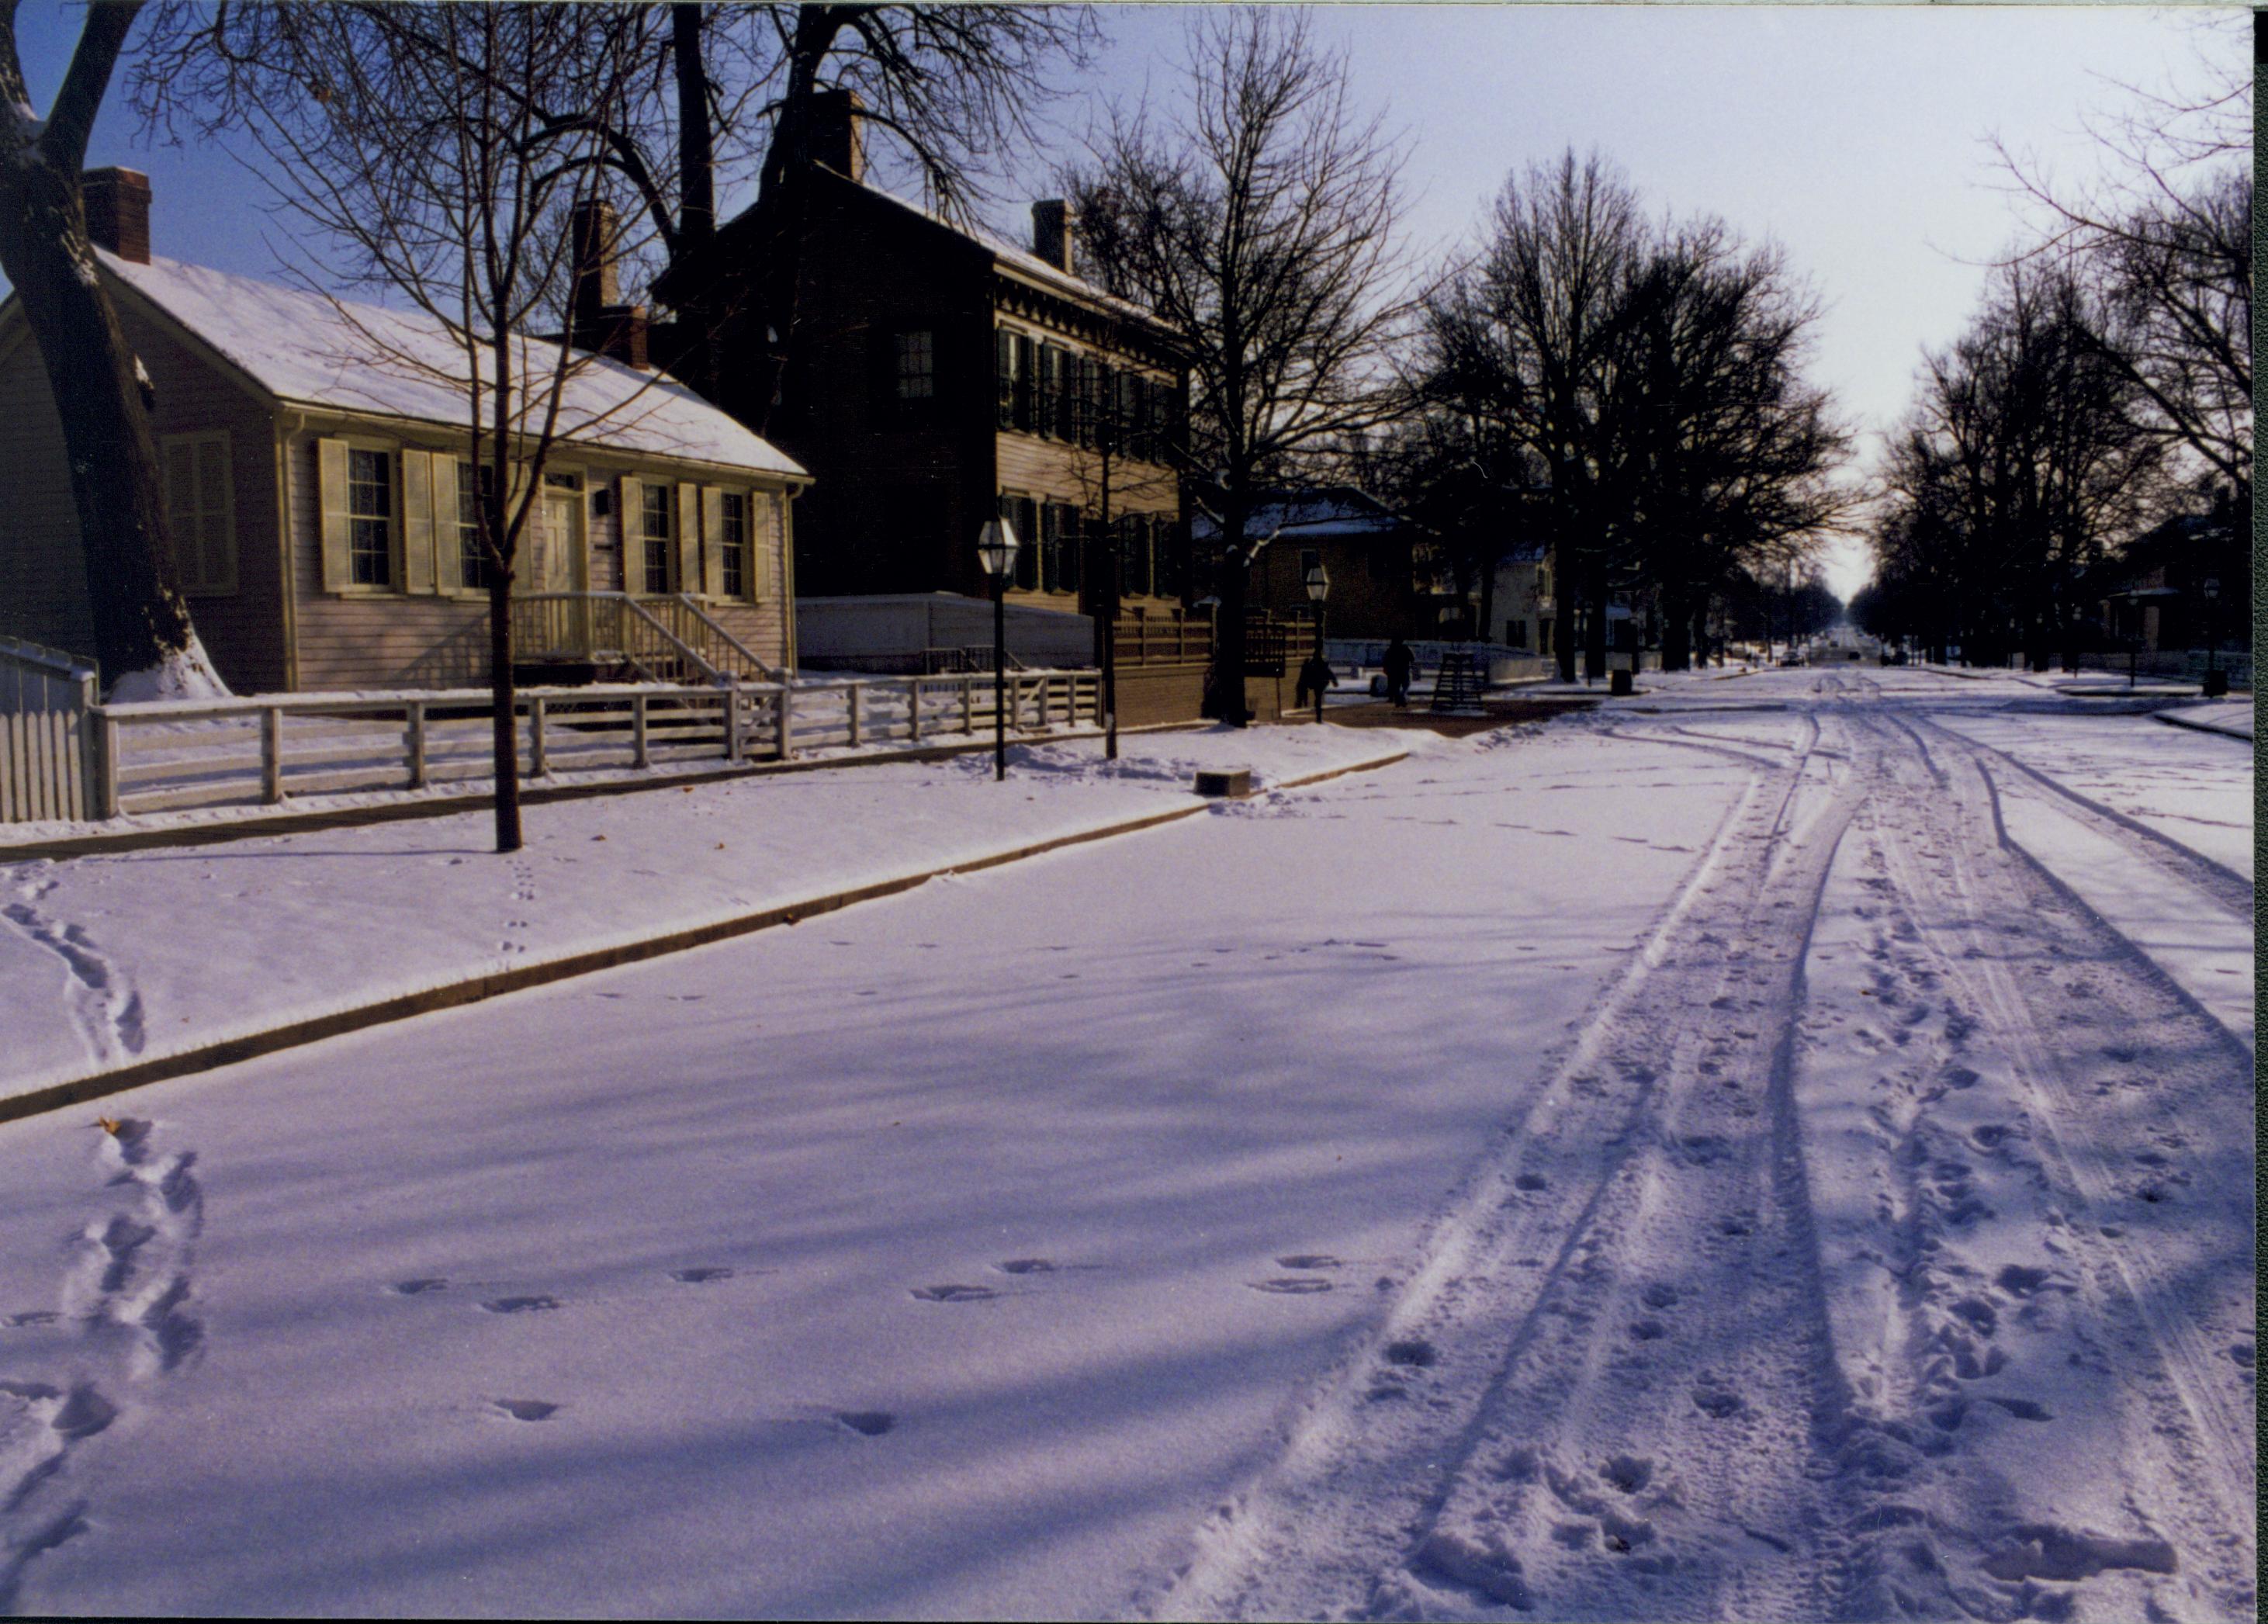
(369, 517)
(915, 365)
(657, 550)
(735, 545)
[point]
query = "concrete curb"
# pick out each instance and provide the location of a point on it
(478, 988)
(2197, 725)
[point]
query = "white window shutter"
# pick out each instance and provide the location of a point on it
(629, 516)
(689, 538)
(712, 527)
(331, 501)
(417, 521)
(448, 547)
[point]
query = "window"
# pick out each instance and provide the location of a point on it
(1064, 423)
(1137, 554)
(914, 368)
(200, 511)
(1017, 364)
(1084, 372)
(733, 545)
(369, 517)
(658, 533)
(1027, 382)
(1004, 374)
(472, 556)
(1059, 560)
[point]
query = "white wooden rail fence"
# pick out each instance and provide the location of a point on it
(143, 758)
(46, 699)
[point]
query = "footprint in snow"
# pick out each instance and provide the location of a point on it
(417, 1288)
(1309, 1259)
(526, 1409)
(953, 1294)
(1026, 1266)
(867, 1423)
(537, 1304)
(700, 1276)
(1292, 1285)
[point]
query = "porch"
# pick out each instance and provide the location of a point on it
(627, 637)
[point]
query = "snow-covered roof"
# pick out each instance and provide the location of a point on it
(300, 347)
(1312, 515)
(1022, 260)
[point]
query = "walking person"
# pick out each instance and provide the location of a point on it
(1397, 665)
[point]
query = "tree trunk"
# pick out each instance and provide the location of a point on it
(1228, 630)
(1563, 635)
(1676, 631)
(141, 622)
(502, 701)
(1594, 636)
(697, 185)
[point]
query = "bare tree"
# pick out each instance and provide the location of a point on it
(143, 635)
(2028, 455)
(1259, 223)
(2164, 233)
(405, 137)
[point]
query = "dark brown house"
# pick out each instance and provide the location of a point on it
(936, 380)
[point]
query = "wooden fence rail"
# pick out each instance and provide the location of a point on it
(143, 758)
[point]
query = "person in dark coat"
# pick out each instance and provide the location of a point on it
(1316, 678)
(1397, 665)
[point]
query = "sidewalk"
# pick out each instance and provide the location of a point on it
(120, 969)
(2231, 717)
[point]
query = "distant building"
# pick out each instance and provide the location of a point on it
(1384, 579)
(320, 509)
(936, 380)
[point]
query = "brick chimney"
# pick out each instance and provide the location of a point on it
(591, 243)
(1051, 232)
(838, 138)
(118, 211)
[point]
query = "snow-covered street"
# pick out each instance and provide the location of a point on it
(1779, 1148)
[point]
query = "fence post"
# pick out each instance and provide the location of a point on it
(271, 753)
(638, 753)
(858, 689)
(90, 750)
(416, 744)
(107, 753)
(732, 723)
(913, 709)
(785, 703)
(967, 703)
(538, 764)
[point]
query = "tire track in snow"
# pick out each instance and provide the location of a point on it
(2225, 887)
(1544, 1420)
(2042, 1001)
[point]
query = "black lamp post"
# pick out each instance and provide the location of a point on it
(2215, 683)
(996, 551)
(1319, 587)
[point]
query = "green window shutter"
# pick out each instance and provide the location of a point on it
(331, 503)
(1004, 377)
(417, 521)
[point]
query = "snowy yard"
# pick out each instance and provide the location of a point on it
(1780, 1149)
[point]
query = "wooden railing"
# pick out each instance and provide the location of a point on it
(606, 628)
(45, 763)
(1142, 638)
(161, 757)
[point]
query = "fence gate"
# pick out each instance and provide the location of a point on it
(46, 698)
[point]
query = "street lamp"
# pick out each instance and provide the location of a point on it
(1319, 587)
(996, 551)
(2215, 683)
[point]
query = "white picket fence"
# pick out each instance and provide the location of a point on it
(159, 757)
(46, 698)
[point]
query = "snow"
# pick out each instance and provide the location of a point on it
(308, 350)
(184, 676)
(1677, 1161)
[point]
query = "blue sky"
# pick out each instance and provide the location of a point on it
(1853, 135)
